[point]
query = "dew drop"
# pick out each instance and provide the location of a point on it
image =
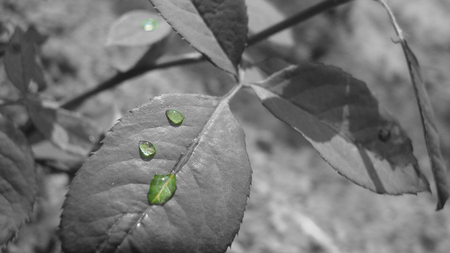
(149, 25)
(146, 149)
(384, 135)
(175, 116)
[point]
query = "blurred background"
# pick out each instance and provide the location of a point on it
(298, 203)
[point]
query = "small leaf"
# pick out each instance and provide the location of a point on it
(18, 183)
(146, 149)
(68, 130)
(217, 29)
(175, 116)
(130, 29)
(341, 118)
(20, 60)
(107, 208)
(427, 116)
(162, 188)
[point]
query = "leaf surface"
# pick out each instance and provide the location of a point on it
(217, 28)
(128, 29)
(107, 208)
(429, 127)
(18, 185)
(426, 114)
(68, 130)
(341, 118)
(20, 60)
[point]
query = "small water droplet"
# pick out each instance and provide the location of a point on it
(175, 116)
(113, 183)
(146, 149)
(149, 25)
(384, 135)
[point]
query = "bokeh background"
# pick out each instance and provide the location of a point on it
(298, 203)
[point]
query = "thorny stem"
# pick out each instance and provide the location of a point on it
(187, 59)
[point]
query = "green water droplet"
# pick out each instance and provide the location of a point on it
(162, 188)
(175, 116)
(146, 149)
(149, 25)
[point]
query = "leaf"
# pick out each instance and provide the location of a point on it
(18, 184)
(20, 60)
(429, 127)
(427, 116)
(107, 208)
(128, 30)
(125, 58)
(162, 188)
(68, 130)
(217, 29)
(340, 117)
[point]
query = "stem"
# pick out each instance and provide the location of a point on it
(187, 59)
(123, 76)
(297, 18)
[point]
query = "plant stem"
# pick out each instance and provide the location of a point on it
(187, 59)
(297, 18)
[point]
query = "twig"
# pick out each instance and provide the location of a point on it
(187, 59)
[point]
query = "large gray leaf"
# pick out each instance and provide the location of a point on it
(18, 185)
(217, 29)
(107, 208)
(344, 122)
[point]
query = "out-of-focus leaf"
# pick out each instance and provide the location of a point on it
(20, 60)
(162, 188)
(128, 30)
(68, 130)
(125, 57)
(107, 208)
(427, 116)
(38, 77)
(344, 122)
(18, 187)
(35, 36)
(217, 29)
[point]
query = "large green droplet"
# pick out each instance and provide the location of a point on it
(162, 188)
(175, 116)
(146, 149)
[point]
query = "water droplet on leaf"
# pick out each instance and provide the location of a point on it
(162, 188)
(175, 116)
(146, 149)
(149, 25)
(384, 135)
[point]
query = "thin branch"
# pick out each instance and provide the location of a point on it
(297, 18)
(187, 59)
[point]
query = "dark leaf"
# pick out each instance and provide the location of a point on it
(129, 30)
(107, 208)
(18, 184)
(427, 116)
(341, 118)
(217, 29)
(20, 60)
(429, 127)
(68, 130)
